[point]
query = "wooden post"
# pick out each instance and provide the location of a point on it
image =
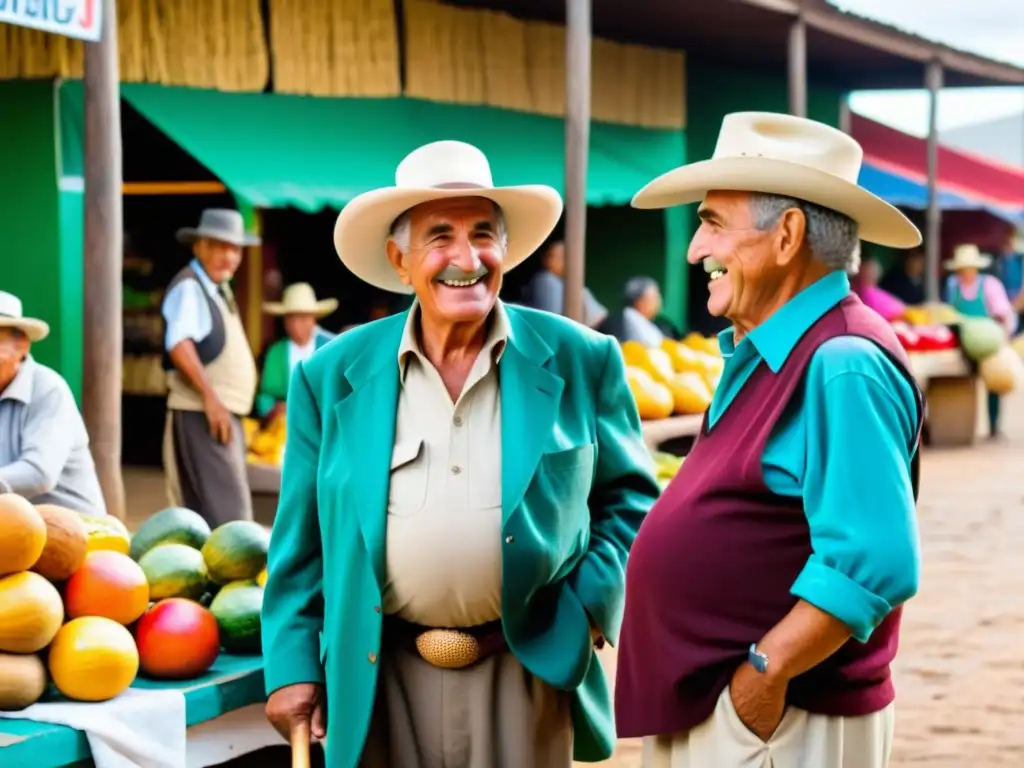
(102, 332)
(577, 148)
(797, 56)
(845, 116)
(933, 224)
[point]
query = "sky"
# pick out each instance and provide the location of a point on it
(991, 28)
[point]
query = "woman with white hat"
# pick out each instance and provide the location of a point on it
(973, 294)
(300, 309)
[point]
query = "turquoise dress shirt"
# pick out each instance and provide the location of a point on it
(841, 446)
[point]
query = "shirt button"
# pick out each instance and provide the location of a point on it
(456, 469)
(457, 421)
(372, 657)
(509, 539)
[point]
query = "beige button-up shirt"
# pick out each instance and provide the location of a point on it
(444, 503)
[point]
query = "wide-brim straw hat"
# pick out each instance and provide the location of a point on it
(967, 256)
(779, 154)
(11, 317)
(221, 224)
(300, 299)
(437, 171)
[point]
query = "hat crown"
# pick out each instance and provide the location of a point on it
(221, 220)
(10, 305)
(299, 295)
(791, 139)
(444, 165)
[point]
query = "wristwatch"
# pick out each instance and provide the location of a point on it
(758, 660)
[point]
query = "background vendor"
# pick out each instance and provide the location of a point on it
(299, 309)
(973, 294)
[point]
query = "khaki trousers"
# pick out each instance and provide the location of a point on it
(802, 740)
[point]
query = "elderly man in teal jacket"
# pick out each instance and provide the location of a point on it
(461, 488)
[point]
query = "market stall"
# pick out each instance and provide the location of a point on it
(126, 644)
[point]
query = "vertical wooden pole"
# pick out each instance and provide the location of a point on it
(797, 57)
(933, 224)
(254, 287)
(102, 332)
(845, 116)
(577, 148)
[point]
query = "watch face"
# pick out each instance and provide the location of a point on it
(758, 660)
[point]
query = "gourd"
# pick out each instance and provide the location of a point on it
(1002, 372)
(22, 534)
(67, 542)
(981, 337)
(31, 612)
(22, 681)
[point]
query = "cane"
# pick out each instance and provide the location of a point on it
(300, 745)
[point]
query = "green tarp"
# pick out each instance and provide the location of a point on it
(274, 151)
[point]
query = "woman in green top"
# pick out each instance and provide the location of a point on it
(300, 309)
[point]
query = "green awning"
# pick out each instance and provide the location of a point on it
(274, 151)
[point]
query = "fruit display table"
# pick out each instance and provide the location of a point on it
(224, 716)
(264, 485)
(950, 388)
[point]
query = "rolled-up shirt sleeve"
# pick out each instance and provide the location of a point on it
(186, 313)
(46, 443)
(861, 415)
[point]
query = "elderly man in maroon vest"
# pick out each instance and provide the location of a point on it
(763, 591)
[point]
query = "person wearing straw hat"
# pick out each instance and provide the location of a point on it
(299, 309)
(44, 446)
(461, 487)
(973, 294)
(764, 588)
(211, 374)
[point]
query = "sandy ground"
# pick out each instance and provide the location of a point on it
(960, 672)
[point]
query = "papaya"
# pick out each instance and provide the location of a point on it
(690, 393)
(22, 534)
(31, 612)
(656, 362)
(653, 399)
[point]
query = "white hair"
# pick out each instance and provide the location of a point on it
(832, 237)
(401, 229)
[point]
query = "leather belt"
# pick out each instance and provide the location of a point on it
(447, 647)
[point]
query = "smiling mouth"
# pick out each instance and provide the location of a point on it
(461, 283)
(717, 274)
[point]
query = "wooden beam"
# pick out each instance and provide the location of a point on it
(797, 60)
(933, 223)
(102, 327)
(172, 188)
(577, 148)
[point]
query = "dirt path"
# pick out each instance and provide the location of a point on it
(960, 673)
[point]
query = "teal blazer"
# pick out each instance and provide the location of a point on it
(577, 481)
(274, 378)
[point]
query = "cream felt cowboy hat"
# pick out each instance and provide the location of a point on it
(784, 155)
(221, 224)
(967, 257)
(443, 169)
(300, 299)
(11, 317)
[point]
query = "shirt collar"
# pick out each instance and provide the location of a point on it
(20, 387)
(776, 337)
(204, 279)
(495, 343)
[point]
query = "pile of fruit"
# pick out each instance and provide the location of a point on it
(678, 377)
(926, 328)
(86, 607)
(265, 444)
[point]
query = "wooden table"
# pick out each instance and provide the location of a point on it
(223, 714)
(951, 395)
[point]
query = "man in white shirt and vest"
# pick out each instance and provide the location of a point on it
(211, 374)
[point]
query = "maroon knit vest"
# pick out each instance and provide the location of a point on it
(712, 566)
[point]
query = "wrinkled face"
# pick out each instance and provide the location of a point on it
(649, 304)
(299, 327)
(453, 258)
(14, 347)
(220, 260)
(744, 265)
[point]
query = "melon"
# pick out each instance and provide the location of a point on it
(175, 570)
(22, 681)
(67, 542)
(106, 532)
(237, 611)
(1002, 372)
(22, 534)
(981, 337)
(31, 612)
(178, 639)
(174, 525)
(93, 659)
(109, 585)
(236, 551)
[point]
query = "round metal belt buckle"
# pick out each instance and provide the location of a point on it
(448, 648)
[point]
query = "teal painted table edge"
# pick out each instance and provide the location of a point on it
(232, 683)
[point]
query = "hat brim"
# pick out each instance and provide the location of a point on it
(188, 235)
(36, 330)
(878, 221)
(322, 308)
(531, 213)
(982, 262)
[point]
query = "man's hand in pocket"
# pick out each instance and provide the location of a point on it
(759, 700)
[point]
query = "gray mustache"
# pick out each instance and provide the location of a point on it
(454, 273)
